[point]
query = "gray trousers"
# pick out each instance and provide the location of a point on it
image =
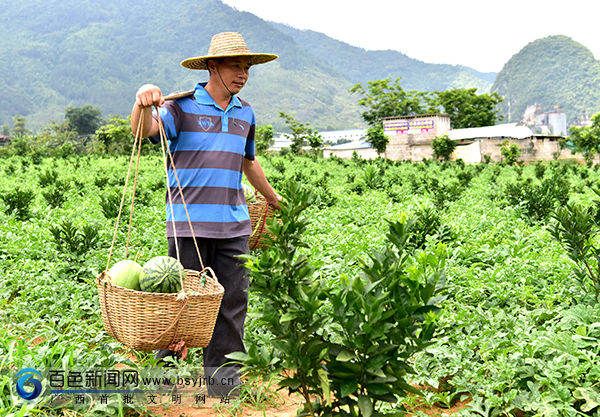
(228, 335)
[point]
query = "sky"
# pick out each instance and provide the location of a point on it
(479, 34)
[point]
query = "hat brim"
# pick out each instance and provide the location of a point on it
(199, 63)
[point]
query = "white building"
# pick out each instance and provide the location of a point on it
(501, 131)
(477, 141)
(332, 136)
(280, 143)
(551, 123)
(345, 150)
(348, 135)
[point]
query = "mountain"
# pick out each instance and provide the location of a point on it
(59, 53)
(360, 65)
(551, 71)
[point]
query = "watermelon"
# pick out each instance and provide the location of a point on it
(161, 274)
(249, 193)
(126, 274)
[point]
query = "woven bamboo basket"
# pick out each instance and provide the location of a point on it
(148, 321)
(259, 212)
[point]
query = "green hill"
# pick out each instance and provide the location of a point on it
(360, 65)
(551, 71)
(76, 52)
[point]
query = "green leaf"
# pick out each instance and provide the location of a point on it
(408, 388)
(590, 396)
(388, 398)
(345, 356)
(377, 372)
(324, 381)
(292, 383)
(287, 317)
(352, 367)
(365, 405)
(237, 356)
(375, 364)
(385, 379)
(348, 387)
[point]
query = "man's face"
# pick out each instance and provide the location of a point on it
(234, 72)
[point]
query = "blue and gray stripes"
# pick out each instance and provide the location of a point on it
(208, 145)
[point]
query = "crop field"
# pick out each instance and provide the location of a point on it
(515, 331)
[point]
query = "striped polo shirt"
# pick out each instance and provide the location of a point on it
(208, 144)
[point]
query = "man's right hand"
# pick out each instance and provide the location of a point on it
(149, 95)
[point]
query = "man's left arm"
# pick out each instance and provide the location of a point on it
(256, 176)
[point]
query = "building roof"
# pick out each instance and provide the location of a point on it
(280, 141)
(506, 130)
(343, 133)
(356, 144)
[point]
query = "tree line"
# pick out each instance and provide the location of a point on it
(84, 130)
(466, 108)
(387, 98)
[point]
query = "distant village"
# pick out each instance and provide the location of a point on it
(410, 137)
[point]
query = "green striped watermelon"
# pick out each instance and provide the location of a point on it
(161, 274)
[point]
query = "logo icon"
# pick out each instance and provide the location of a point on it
(205, 123)
(24, 376)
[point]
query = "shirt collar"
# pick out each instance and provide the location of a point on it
(202, 97)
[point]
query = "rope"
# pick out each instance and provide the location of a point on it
(185, 208)
(137, 169)
(107, 283)
(163, 144)
(137, 137)
(174, 323)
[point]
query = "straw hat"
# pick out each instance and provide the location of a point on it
(224, 45)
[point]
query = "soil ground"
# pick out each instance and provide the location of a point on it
(279, 404)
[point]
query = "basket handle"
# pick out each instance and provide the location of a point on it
(136, 144)
(164, 145)
(174, 323)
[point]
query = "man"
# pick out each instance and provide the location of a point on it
(211, 134)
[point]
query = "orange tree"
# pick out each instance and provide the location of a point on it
(344, 348)
(586, 140)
